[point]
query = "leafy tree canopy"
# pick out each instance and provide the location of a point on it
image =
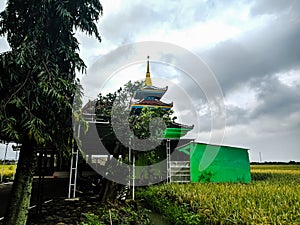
(118, 105)
(38, 80)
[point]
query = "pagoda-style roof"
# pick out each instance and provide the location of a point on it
(150, 91)
(151, 103)
(179, 125)
(176, 130)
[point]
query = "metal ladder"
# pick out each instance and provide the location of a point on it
(73, 169)
(73, 173)
(168, 147)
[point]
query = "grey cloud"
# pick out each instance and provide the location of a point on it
(253, 60)
(236, 115)
(141, 18)
(276, 98)
(272, 49)
(103, 68)
(122, 26)
(273, 147)
(277, 103)
(274, 7)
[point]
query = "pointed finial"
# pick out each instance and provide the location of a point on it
(148, 66)
(148, 81)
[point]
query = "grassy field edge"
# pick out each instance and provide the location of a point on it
(272, 198)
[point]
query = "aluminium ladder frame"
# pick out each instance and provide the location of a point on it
(168, 148)
(73, 168)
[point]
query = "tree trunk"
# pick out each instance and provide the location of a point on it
(17, 210)
(107, 190)
(110, 188)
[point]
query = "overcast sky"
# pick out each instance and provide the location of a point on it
(252, 48)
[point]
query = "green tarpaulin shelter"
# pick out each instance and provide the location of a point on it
(216, 163)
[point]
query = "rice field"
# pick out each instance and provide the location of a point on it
(7, 171)
(273, 197)
(282, 169)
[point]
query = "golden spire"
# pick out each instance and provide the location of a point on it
(148, 81)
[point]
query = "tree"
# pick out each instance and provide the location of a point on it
(38, 82)
(116, 108)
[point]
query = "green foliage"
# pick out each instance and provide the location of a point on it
(141, 124)
(117, 105)
(273, 200)
(38, 81)
(118, 214)
(172, 211)
(205, 177)
(116, 102)
(92, 219)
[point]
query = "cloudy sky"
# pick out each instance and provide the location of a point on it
(250, 48)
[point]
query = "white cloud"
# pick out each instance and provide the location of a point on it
(243, 97)
(290, 78)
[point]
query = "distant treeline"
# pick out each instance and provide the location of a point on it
(276, 163)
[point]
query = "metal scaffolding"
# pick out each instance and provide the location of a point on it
(91, 119)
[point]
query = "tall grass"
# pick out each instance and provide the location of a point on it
(272, 198)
